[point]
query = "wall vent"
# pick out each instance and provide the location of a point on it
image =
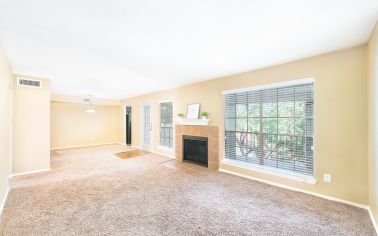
(29, 83)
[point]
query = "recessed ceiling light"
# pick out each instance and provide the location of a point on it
(91, 110)
(89, 107)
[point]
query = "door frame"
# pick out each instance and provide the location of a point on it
(125, 124)
(142, 105)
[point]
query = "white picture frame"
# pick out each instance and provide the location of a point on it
(193, 111)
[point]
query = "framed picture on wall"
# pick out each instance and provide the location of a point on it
(193, 111)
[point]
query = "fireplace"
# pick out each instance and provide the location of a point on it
(195, 149)
(207, 133)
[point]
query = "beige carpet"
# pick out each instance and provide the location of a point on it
(92, 192)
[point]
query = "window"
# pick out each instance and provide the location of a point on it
(166, 128)
(272, 127)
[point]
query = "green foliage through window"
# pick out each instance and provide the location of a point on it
(272, 127)
(166, 127)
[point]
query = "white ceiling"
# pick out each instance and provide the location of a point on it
(121, 48)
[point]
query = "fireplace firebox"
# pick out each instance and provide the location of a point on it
(195, 149)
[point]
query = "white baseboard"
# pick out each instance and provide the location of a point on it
(373, 220)
(158, 153)
(29, 172)
(166, 149)
(270, 171)
(83, 146)
(4, 201)
(163, 154)
(297, 189)
(124, 144)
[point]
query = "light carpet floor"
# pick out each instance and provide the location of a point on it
(90, 191)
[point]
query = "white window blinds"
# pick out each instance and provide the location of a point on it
(166, 128)
(272, 127)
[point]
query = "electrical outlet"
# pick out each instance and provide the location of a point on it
(327, 178)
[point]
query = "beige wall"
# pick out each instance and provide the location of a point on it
(340, 117)
(71, 126)
(5, 123)
(31, 127)
(372, 66)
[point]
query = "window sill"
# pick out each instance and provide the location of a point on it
(270, 171)
(164, 148)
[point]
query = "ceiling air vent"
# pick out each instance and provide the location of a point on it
(29, 83)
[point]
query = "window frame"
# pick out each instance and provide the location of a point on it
(266, 169)
(162, 146)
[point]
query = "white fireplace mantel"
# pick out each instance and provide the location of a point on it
(192, 121)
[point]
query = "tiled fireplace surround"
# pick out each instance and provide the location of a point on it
(211, 132)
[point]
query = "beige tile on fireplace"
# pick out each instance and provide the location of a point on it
(211, 132)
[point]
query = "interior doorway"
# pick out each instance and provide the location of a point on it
(128, 125)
